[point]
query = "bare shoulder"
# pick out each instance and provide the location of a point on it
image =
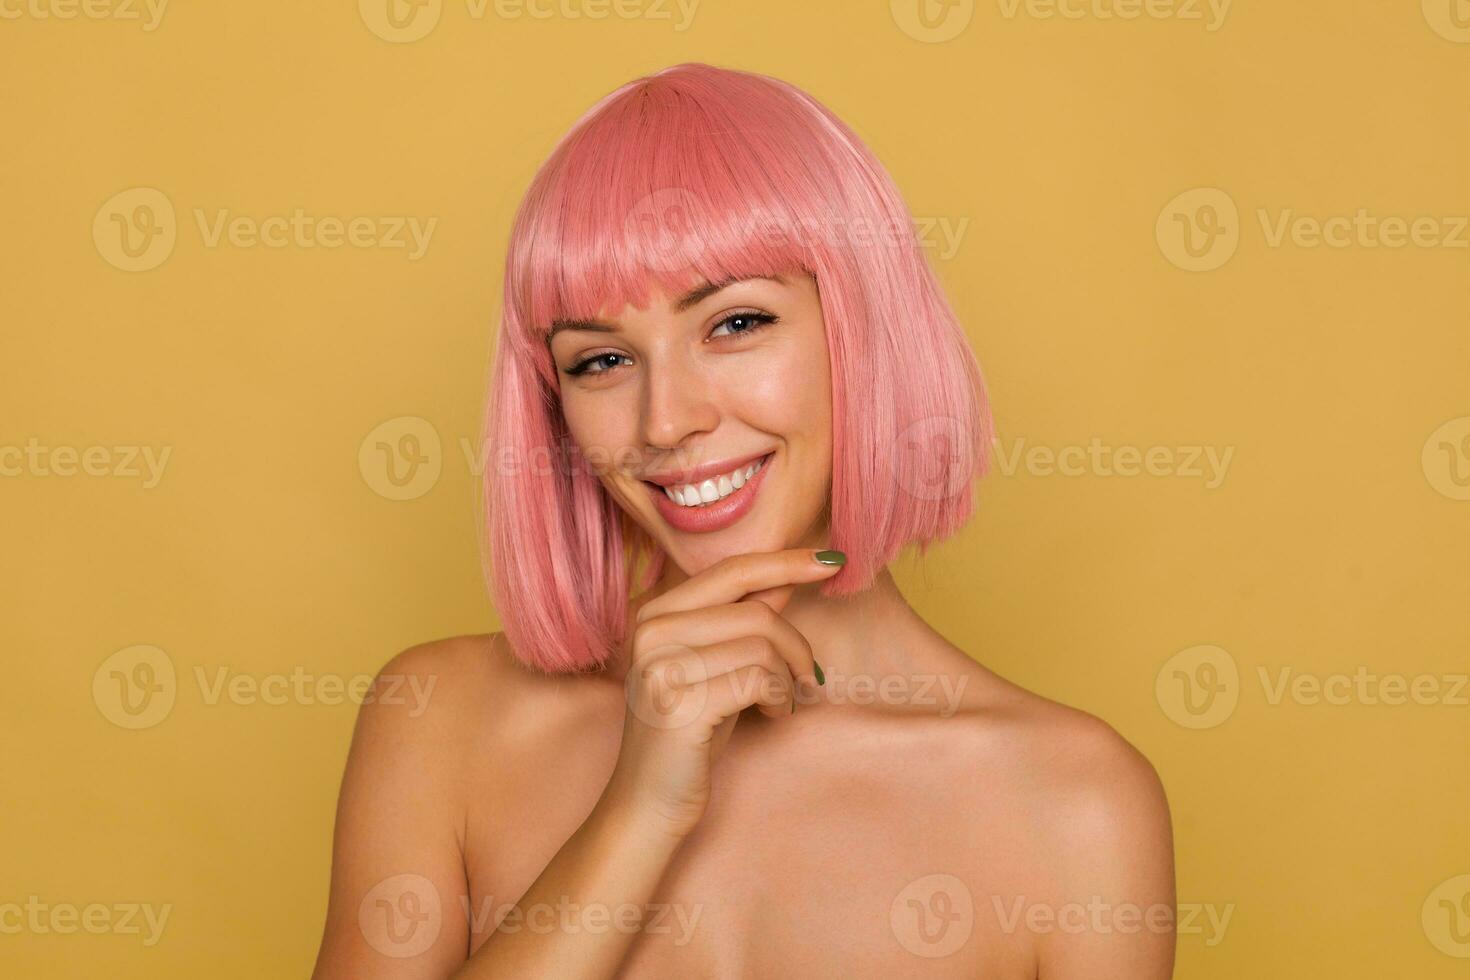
(461, 690)
(1085, 824)
(1085, 781)
(474, 711)
(437, 732)
(423, 707)
(442, 685)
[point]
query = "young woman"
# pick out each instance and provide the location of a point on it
(713, 739)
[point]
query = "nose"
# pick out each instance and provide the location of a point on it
(677, 404)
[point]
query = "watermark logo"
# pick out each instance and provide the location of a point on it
(135, 230)
(930, 458)
(401, 916)
(401, 21)
(1201, 686)
(1450, 19)
(136, 687)
(1446, 917)
(1198, 687)
(932, 21)
(1446, 459)
(401, 459)
(663, 230)
(661, 693)
(1199, 230)
(933, 916)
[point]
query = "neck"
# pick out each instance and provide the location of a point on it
(871, 632)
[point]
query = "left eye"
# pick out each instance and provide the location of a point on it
(741, 323)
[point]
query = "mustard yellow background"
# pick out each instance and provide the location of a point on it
(1067, 155)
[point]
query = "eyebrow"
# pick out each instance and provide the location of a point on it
(695, 296)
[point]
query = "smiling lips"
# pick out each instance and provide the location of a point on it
(715, 488)
(699, 500)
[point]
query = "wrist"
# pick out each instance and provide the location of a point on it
(626, 813)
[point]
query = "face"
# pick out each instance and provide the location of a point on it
(708, 415)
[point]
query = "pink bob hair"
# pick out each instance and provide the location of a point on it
(702, 174)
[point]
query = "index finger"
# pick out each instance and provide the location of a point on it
(733, 578)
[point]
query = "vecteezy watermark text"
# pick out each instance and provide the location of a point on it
(1209, 464)
(147, 12)
(40, 918)
(1102, 918)
(117, 462)
(595, 918)
(407, 21)
(137, 687)
(137, 229)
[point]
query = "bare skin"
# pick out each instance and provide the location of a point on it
(916, 815)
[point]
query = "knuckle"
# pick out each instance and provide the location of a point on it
(765, 654)
(659, 675)
(644, 636)
(760, 614)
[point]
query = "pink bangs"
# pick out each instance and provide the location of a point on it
(661, 186)
(699, 174)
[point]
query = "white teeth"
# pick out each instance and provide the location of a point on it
(715, 488)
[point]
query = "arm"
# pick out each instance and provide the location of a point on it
(399, 907)
(1114, 868)
(397, 877)
(611, 865)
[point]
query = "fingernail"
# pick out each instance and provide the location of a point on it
(830, 558)
(821, 677)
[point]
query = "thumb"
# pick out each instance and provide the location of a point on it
(722, 732)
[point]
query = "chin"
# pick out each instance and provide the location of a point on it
(694, 553)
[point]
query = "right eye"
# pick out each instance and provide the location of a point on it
(597, 363)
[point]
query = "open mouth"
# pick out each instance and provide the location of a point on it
(713, 503)
(714, 489)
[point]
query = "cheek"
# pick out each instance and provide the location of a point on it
(789, 394)
(603, 432)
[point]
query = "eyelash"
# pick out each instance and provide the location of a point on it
(760, 321)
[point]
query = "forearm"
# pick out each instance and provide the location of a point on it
(581, 915)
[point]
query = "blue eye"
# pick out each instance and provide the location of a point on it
(743, 322)
(598, 361)
(735, 324)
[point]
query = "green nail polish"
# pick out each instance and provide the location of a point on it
(831, 557)
(821, 677)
